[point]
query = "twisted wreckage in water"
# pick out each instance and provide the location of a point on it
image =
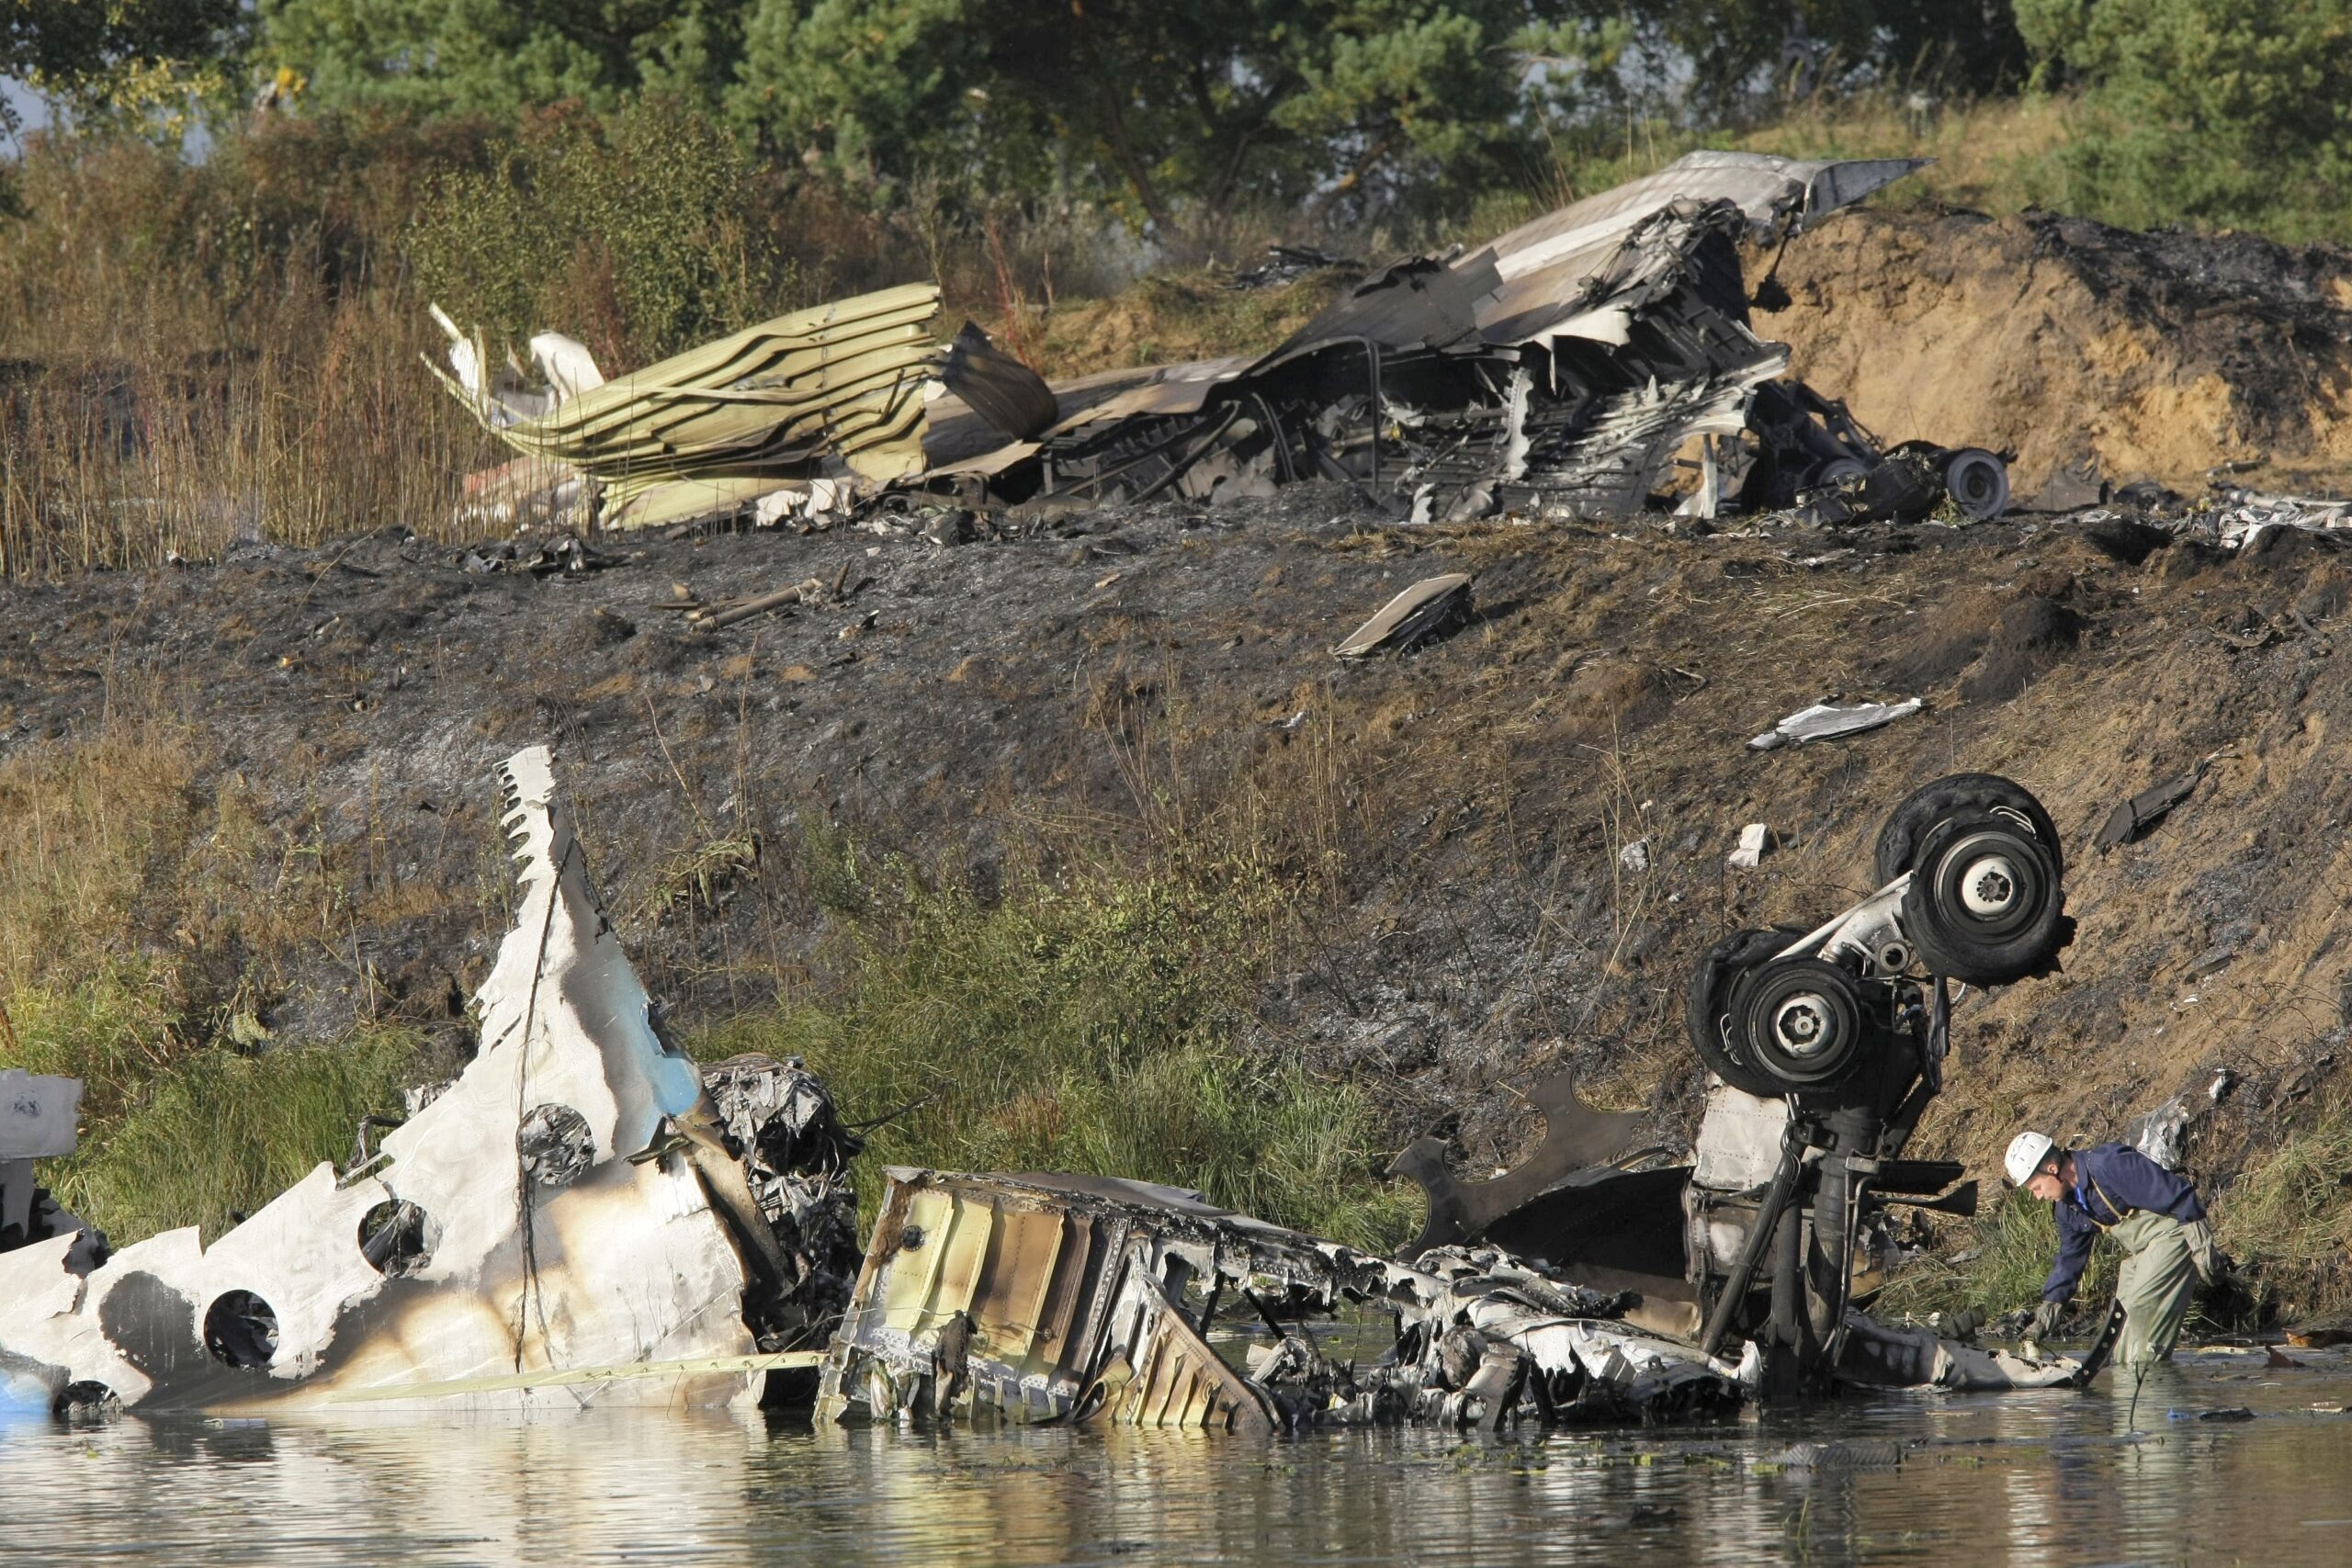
(583, 1217)
(1557, 372)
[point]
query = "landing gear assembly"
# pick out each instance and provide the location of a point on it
(1829, 1045)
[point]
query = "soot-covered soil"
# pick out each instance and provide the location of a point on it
(1067, 676)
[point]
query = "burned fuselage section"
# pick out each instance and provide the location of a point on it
(1030, 1299)
(1558, 372)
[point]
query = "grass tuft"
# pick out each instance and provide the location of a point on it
(220, 1134)
(1088, 1023)
(2288, 1221)
(1998, 1268)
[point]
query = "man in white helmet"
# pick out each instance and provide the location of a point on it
(2153, 1214)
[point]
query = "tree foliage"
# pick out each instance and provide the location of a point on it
(1156, 105)
(2226, 111)
(129, 54)
(1718, 59)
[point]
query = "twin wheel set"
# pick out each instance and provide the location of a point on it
(1969, 871)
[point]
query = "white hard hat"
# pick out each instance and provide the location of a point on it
(2027, 1151)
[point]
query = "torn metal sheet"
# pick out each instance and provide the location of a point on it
(1013, 399)
(1057, 1298)
(2135, 819)
(40, 1119)
(1421, 613)
(721, 423)
(1829, 720)
(40, 1115)
(1557, 372)
(1885, 1355)
(569, 1201)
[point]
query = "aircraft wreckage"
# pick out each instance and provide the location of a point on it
(584, 1216)
(1558, 372)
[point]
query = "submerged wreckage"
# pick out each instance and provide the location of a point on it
(1557, 372)
(583, 1215)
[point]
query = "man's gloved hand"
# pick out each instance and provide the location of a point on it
(2200, 1237)
(2045, 1320)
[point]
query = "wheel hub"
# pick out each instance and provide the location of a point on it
(1802, 1024)
(1989, 887)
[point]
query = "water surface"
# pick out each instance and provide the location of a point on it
(2053, 1477)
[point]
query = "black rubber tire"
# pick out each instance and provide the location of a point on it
(1800, 1023)
(1960, 794)
(1978, 484)
(1985, 906)
(1708, 1002)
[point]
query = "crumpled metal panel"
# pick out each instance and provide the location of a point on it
(842, 381)
(1564, 247)
(1046, 1297)
(621, 1262)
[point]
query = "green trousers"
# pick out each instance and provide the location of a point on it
(2155, 1284)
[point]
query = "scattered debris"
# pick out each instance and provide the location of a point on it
(1634, 857)
(1285, 264)
(1829, 720)
(1754, 843)
(2135, 819)
(583, 1215)
(1068, 1298)
(2238, 517)
(712, 617)
(1426, 610)
(2162, 1133)
(1557, 372)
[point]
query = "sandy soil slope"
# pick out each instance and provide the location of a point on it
(2162, 355)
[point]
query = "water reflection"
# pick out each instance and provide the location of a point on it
(2046, 1478)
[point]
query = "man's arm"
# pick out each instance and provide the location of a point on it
(2076, 1235)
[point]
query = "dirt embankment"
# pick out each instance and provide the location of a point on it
(1478, 793)
(2162, 355)
(1073, 675)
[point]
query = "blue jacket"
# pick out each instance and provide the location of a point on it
(2112, 1182)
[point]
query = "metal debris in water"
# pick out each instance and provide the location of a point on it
(568, 1205)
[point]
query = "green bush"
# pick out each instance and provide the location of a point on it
(2209, 111)
(219, 1134)
(1089, 1024)
(642, 232)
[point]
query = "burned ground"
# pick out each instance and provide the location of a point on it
(1445, 829)
(1077, 675)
